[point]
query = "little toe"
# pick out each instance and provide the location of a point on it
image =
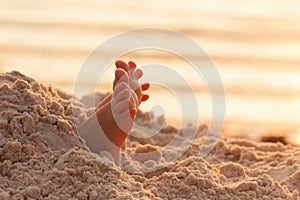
(145, 97)
(145, 86)
(119, 73)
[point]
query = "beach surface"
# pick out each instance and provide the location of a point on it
(42, 157)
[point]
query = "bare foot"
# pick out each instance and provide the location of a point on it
(116, 113)
(134, 75)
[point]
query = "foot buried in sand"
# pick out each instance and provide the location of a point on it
(116, 113)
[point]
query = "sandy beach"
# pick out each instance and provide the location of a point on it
(42, 157)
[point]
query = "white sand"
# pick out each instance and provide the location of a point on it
(42, 157)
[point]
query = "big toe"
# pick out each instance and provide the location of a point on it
(120, 76)
(122, 65)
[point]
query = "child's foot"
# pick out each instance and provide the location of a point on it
(116, 113)
(134, 75)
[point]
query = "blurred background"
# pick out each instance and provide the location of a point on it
(254, 44)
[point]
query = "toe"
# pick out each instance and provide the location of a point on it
(145, 97)
(122, 65)
(145, 86)
(138, 74)
(132, 67)
(120, 76)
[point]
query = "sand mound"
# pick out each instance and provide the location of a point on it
(42, 157)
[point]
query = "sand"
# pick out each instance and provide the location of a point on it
(42, 157)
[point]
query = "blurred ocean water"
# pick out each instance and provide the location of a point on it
(255, 46)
